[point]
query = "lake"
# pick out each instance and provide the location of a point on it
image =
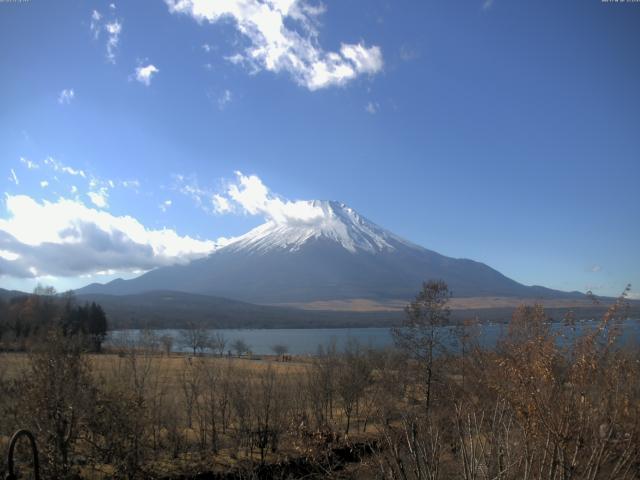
(306, 341)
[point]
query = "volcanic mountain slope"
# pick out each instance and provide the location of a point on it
(335, 254)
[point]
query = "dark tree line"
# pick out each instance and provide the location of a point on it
(27, 320)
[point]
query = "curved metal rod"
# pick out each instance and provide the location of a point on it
(34, 449)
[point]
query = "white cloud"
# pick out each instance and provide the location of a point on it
(44, 184)
(371, 108)
(365, 60)
(74, 189)
(595, 268)
(236, 59)
(164, 206)
(188, 186)
(134, 184)
(14, 178)
(28, 163)
(254, 198)
(66, 238)
(7, 255)
(95, 26)
(222, 241)
(283, 37)
(221, 204)
(113, 31)
(99, 198)
(487, 4)
(249, 195)
(225, 99)
(60, 167)
(66, 96)
(144, 74)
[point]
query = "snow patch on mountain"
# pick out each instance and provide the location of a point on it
(332, 220)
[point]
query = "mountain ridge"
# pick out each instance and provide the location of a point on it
(324, 251)
(171, 309)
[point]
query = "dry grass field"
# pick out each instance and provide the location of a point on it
(171, 397)
(531, 408)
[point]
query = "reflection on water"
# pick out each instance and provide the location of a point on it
(306, 341)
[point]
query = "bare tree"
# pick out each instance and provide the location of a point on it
(59, 397)
(321, 385)
(241, 404)
(148, 340)
(218, 343)
(122, 430)
(195, 337)
(280, 350)
(412, 449)
(270, 407)
(419, 333)
(354, 376)
(240, 347)
(167, 344)
(190, 386)
(209, 402)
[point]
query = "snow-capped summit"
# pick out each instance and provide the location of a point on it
(325, 220)
(312, 251)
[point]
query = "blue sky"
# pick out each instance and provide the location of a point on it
(505, 132)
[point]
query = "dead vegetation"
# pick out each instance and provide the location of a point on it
(546, 404)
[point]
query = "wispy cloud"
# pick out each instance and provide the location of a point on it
(95, 25)
(98, 188)
(66, 96)
(44, 183)
(29, 164)
(221, 204)
(595, 268)
(487, 4)
(189, 186)
(146, 73)
(60, 167)
(224, 99)
(164, 206)
(407, 53)
(372, 108)
(134, 184)
(112, 28)
(14, 178)
(283, 37)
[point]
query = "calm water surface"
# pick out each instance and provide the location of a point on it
(306, 341)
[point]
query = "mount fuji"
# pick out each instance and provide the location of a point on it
(331, 253)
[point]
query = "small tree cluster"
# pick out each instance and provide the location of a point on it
(28, 320)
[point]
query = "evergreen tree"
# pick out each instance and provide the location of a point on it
(96, 326)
